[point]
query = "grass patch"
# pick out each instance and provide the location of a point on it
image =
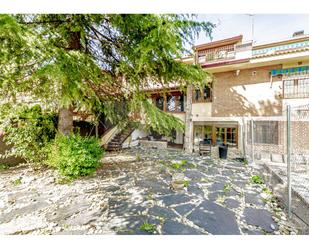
(138, 157)
(227, 188)
(179, 165)
(220, 199)
(16, 182)
(148, 227)
(186, 183)
(267, 191)
(3, 166)
(257, 179)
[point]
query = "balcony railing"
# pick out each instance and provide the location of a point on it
(216, 54)
(280, 48)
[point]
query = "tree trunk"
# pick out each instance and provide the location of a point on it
(65, 123)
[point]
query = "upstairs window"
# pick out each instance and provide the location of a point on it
(171, 103)
(160, 102)
(296, 88)
(175, 103)
(202, 96)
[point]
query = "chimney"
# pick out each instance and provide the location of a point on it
(298, 33)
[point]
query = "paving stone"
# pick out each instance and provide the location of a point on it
(214, 195)
(217, 186)
(252, 232)
(154, 185)
(255, 199)
(171, 227)
(239, 183)
(231, 203)
(228, 173)
(174, 199)
(194, 174)
(83, 218)
(184, 209)
(230, 193)
(162, 212)
(111, 189)
(259, 217)
(70, 232)
(61, 214)
(22, 211)
(195, 189)
(215, 219)
(120, 207)
(212, 171)
(22, 225)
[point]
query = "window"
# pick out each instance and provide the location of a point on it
(265, 132)
(201, 133)
(226, 135)
(171, 103)
(175, 103)
(160, 102)
(217, 135)
(296, 88)
(202, 96)
(180, 107)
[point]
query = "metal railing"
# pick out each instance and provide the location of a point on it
(281, 145)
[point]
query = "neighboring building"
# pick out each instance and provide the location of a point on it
(250, 80)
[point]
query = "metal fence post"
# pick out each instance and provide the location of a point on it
(288, 140)
(244, 137)
(252, 142)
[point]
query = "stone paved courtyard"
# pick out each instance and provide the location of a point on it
(133, 188)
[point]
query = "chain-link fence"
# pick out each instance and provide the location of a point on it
(281, 145)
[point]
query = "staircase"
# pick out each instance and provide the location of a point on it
(116, 143)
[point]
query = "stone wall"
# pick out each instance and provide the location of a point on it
(10, 160)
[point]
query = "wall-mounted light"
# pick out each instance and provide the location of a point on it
(237, 72)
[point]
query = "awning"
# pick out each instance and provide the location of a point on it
(292, 70)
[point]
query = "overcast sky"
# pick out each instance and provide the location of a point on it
(267, 27)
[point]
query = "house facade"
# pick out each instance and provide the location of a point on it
(249, 80)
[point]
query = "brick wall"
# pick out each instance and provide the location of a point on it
(249, 93)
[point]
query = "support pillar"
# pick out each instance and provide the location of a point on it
(188, 122)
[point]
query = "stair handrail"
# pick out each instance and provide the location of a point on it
(108, 136)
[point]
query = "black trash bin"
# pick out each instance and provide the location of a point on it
(223, 151)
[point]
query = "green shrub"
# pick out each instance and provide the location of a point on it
(74, 156)
(27, 130)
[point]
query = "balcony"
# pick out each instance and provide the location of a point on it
(289, 47)
(225, 53)
(216, 54)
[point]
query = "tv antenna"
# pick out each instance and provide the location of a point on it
(252, 26)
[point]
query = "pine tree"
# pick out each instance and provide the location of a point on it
(97, 62)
